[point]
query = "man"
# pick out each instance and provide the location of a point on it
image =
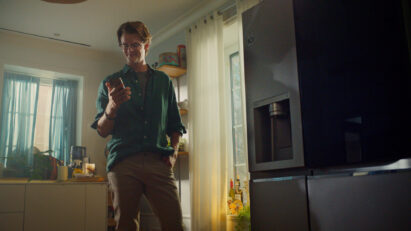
(138, 115)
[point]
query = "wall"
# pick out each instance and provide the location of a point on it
(92, 65)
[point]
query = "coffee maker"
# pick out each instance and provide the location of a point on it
(77, 155)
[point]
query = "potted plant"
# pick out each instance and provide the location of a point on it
(17, 166)
(243, 219)
(42, 165)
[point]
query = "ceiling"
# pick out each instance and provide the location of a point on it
(93, 22)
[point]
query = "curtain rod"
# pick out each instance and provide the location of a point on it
(226, 8)
(231, 5)
(39, 76)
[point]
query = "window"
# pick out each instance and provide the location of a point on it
(39, 113)
(238, 164)
(42, 128)
(239, 153)
(19, 103)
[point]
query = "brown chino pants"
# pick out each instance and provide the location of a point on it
(148, 174)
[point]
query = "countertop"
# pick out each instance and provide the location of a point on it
(88, 180)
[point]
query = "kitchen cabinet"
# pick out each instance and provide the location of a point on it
(55, 207)
(11, 221)
(51, 205)
(65, 207)
(12, 198)
(12, 207)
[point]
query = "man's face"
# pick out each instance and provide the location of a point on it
(134, 49)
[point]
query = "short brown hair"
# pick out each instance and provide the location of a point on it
(136, 27)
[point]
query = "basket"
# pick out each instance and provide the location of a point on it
(168, 58)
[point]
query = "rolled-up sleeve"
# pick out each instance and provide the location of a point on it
(174, 123)
(101, 103)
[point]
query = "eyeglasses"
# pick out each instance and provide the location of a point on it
(133, 45)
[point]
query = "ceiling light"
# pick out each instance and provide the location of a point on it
(65, 1)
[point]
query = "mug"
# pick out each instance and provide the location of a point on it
(62, 173)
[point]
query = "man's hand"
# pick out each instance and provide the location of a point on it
(171, 160)
(174, 140)
(116, 96)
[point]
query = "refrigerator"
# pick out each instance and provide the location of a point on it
(327, 87)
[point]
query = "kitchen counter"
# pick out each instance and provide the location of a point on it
(87, 180)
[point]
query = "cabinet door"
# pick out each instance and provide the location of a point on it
(96, 207)
(278, 204)
(51, 207)
(12, 198)
(11, 221)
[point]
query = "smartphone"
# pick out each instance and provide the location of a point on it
(116, 82)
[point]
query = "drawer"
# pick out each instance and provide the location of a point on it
(12, 198)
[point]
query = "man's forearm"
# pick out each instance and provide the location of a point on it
(105, 124)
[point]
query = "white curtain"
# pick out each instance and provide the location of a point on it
(207, 121)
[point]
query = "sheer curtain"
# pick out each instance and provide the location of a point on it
(207, 120)
(63, 118)
(18, 118)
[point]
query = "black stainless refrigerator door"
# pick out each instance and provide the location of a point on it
(354, 79)
(279, 204)
(271, 83)
(372, 202)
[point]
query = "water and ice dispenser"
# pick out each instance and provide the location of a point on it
(272, 126)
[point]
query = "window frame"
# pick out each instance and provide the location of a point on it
(46, 78)
(49, 75)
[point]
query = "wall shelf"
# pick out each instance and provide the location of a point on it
(183, 153)
(183, 111)
(172, 71)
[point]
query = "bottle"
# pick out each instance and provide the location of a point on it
(181, 53)
(231, 193)
(181, 145)
(246, 190)
(238, 192)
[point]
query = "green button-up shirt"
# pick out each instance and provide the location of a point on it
(141, 123)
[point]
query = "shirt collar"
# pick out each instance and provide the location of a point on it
(127, 68)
